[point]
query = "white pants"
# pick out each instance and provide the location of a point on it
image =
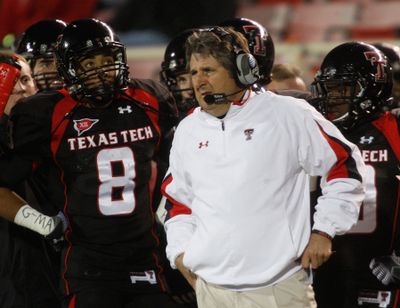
(294, 292)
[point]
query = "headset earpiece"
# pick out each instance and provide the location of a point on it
(247, 71)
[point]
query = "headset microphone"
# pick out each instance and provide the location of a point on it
(219, 98)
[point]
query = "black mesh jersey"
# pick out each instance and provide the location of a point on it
(377, 231)
(102, 166)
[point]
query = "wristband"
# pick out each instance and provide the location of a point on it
(32, 219)
(322, 233)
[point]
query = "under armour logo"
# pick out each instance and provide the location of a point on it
(364, 140)
(203, 144)
(248, 132)
(127, 109)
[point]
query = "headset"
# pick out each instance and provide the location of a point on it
(247, 70)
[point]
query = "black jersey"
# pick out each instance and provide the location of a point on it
(377, 231)
(101, 161)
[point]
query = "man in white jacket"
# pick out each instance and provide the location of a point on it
(238, 211)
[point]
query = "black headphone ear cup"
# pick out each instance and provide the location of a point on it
(247, 69)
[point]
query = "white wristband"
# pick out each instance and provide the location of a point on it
(32, 219)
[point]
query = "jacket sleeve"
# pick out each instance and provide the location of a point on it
(324, 151)
(179, 221)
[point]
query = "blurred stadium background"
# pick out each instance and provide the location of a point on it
(303, 31)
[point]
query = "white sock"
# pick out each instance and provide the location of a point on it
(32, 219)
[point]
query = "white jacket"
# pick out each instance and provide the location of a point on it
(238, 189)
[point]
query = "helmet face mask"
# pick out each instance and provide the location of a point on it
(45, 73)
(97, 75)
(355, 74)
(37, 45)
(174, 73)
(92, 61)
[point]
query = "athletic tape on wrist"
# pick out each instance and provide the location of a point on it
(32, 219)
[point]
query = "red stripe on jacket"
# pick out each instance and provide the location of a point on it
(345, 166)
(174, 207)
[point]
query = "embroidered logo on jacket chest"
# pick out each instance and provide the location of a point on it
(248, 133)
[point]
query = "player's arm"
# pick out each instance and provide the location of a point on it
(15, 209)
(16, 167)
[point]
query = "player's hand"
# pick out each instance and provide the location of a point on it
(190, 277)
(386, 269)
(318, 251)
(56, 237)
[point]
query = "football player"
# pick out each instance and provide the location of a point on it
(354, 83)
(392, 53)
(175, 76)
(37, 45)
(100, 134)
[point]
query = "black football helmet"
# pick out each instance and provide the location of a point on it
(175, 64)
(38, 42)
(90, 37)
(356, 74)
(392, 53)
(260, 43)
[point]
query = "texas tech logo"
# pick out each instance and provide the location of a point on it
(248, 133)
(83, 125)
(258, 45)
(378, 62)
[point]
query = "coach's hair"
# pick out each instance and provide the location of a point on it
(221, 43)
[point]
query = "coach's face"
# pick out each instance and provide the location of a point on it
(209, 77)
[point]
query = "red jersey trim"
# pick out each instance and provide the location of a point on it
(387, 125)
(59, 120)
(147, 99)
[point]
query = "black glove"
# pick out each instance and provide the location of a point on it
(386, 269)
(56, 237)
